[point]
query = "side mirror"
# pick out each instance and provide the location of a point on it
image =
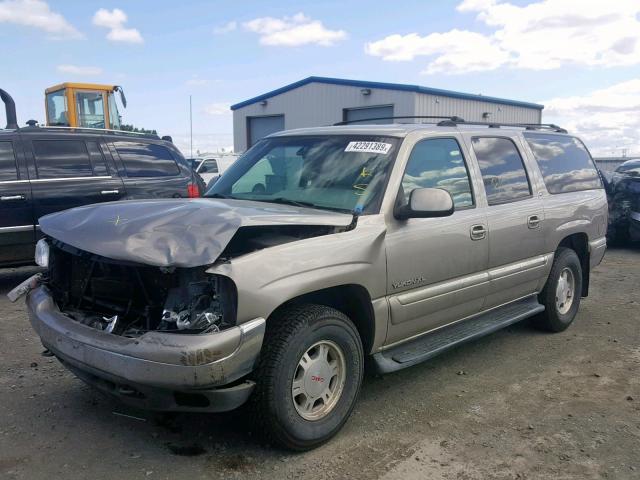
(426, 203)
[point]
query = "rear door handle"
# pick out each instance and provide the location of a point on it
(533, 221)
(478, 232)
(11, 198)
(110, 192)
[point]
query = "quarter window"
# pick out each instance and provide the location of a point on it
(146, 159)
(565, 163)
(503, 173)
(8, 170)
(61, 159)
(438, 163)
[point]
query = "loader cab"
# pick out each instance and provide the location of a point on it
(83, 105)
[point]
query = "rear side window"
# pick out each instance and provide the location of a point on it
(8, 169)
(61, 159)
(564, 161)
(503, 173)
(146, 159)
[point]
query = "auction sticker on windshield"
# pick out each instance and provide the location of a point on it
(369, 147)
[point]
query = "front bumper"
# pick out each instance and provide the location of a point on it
(160, 371)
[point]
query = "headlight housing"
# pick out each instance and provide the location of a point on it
(42, 253)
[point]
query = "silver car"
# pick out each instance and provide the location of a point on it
(317, 249)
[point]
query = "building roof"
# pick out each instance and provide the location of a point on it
(384, 86)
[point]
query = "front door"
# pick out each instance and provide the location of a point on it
(517, 257)
(436, 267)
(16, 216)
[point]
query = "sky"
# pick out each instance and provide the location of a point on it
(579, 58)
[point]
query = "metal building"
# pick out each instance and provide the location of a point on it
(320, 101)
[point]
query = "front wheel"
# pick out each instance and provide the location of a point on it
(562, 292)
(308, 376)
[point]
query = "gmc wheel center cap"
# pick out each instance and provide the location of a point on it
(316, 379)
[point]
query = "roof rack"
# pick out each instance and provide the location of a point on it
(430, 117)
(93, 130)
(527, 126)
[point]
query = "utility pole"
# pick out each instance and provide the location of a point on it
(191, 126)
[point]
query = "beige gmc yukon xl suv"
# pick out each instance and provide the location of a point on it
(317, 249)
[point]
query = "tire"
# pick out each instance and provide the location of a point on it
(559, 315)
(313, 330)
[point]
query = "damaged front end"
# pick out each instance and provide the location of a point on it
(129, 300)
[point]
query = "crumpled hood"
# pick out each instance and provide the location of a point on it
(172, 232)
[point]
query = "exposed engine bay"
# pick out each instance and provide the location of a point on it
(130, 299)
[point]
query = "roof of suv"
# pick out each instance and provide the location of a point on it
(401, 129)
(88, 131)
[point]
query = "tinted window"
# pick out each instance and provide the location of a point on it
(97, 159)
(146, 159)
(503, 173)
(8, 170)
(564, 161)
(61, 159)
(438, 163)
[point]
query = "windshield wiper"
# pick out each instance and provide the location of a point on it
(287, 201)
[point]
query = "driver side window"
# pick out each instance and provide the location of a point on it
(438, 163)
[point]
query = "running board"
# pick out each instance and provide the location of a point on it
(431, 344)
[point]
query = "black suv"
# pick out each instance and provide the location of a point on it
(48, 169)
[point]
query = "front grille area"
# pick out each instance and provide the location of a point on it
(130, 299)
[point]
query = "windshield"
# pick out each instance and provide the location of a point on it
(334, 172)
(632, 169)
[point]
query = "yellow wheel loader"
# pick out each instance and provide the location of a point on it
(83, 105)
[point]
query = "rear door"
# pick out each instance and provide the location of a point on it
(16, 216)
(515, 216)
(152, 170)
(67, 171)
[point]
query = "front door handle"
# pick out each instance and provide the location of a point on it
(11, 198)
(110, 192)
(478, 232)
(533, 221)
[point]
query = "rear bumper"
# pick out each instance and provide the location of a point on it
(161, 371)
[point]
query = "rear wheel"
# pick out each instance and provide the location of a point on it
(308, 376)
(561, 294)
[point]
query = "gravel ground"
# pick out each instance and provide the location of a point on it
(519, 404)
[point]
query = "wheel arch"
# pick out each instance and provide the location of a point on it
(579, 243)
(351, 299)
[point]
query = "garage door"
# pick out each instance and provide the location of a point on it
(359, 115)
(260, 127)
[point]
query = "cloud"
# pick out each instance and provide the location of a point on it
(220, 108)
(606, 119)
(226, 28)
(294, 31)
(78, 70)
(114, 20)
(37, 14)
(542, 35)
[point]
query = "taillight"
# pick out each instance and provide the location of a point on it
(193, 191)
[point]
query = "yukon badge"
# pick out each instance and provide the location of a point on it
(408, 283)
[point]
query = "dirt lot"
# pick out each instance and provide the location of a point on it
(516, 405)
